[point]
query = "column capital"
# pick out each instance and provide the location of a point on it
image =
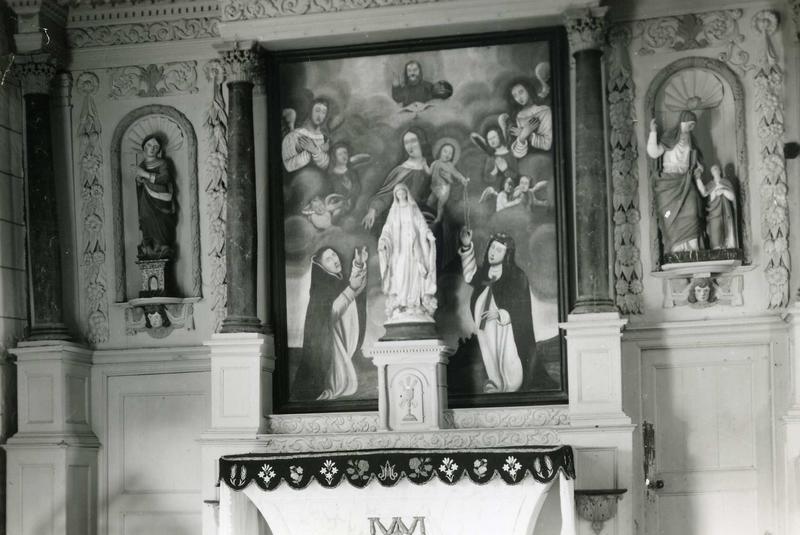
(35, 73)
(586, 28)
(241, 62)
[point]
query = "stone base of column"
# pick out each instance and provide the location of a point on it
(595, 307)
(412, 384)
(242, 364)
(51, 484)
(52, 459)
(241, 382)
(594, 364)
(55, 331)
(241, 324)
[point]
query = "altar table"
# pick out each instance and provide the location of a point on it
(396, 491)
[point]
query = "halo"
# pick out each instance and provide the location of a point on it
(448, 141)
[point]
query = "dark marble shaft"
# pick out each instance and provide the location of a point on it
(593, 269)
(241, 228)
(47, 322)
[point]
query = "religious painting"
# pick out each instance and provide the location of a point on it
(420, 179)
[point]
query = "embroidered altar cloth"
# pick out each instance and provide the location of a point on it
(396, 491)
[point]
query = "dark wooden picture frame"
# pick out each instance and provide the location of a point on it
(317, 202)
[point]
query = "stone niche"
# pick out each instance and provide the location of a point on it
(156, 298)
(714, 93)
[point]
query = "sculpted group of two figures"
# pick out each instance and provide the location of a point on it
(693, 215)
(420, 214)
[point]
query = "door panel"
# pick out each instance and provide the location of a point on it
(710, 409)
(153, 452)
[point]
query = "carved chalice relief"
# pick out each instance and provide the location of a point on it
(407, 398)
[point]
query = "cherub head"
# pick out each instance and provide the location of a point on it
(508, 185)
(524, 183)
(702, 292)
(341, 154)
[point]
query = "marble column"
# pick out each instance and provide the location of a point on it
(36, 72)
(591, 255)
(240, 229)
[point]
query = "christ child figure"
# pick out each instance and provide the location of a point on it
(443, 171)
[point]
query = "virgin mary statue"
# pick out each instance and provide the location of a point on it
(407, 255)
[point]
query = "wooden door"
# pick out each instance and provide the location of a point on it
(711, 444)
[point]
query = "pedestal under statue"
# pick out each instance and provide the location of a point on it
(407, 255)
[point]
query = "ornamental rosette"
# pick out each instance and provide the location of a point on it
(87, 83)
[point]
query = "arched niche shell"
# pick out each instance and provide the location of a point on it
(166, 128)
(693, 89)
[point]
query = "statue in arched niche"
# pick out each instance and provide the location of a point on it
(695, 204)
(677, 199)
(155, 192)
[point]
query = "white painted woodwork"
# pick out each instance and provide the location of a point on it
(53, 387)
(412, 384)
(52, 459)
(153, 455)
(711, 410)
(594, 367)
(241, 381)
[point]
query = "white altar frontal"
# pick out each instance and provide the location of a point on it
(414, 491)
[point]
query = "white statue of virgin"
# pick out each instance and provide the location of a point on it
(407, 255)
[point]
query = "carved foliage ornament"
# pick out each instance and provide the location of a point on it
(713, 29)
(154, 80)
(241, 64)
(365, 422)
(124, 34)
(264, 9)
(769, 78)
(624, 172)
(34, 74)
(586, 29)
(687, 32)
(216, 180)
(90, 162)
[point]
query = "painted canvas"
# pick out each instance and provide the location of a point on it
(473, 132)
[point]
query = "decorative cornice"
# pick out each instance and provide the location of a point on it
(470, 438)
(367, 422)
(510, 418)
(585, 28)
(152, 80)
(34, 73)
(265, 9)
(136, 33)
(241, 64)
